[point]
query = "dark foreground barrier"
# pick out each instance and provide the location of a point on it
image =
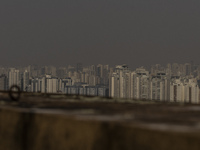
(88, 123)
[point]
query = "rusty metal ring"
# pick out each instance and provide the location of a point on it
(18, 92)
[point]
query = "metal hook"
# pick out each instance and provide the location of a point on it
(11, 92)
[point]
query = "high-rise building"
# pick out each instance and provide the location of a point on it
(159, 87)
(119, 82)
(14, 77)
(141, 84)
(184, 90)
(64, 83)
(25, 80)
(3, 82)
(52, 85)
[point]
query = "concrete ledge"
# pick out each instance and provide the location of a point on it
(98, 126)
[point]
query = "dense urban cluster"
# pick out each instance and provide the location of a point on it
(174, 82)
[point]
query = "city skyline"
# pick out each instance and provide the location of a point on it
(99, 74)
(172, 83)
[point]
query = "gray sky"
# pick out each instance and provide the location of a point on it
(135, 32)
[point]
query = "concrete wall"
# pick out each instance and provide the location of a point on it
(23, 129)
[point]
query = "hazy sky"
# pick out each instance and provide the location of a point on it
(135, 32)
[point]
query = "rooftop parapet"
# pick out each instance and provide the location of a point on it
(39, 121)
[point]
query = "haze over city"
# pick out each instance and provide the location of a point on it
(99, 74)
(134, 32)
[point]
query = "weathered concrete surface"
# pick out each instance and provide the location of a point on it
(59, 122)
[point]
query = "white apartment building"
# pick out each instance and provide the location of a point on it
(25, 80)
(120, 82)
(127, 84)
(38, 85)
(159, 87)
(52, 85)
(14, 77)
(140, 84)
(184, 90)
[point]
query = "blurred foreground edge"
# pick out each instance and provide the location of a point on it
(70, 122)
